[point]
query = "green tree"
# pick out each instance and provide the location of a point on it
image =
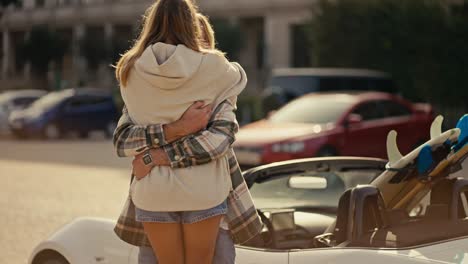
(94, 47)
(419, 42)
(5, 3)
(42, 47)
(228, 37)
(119, 46)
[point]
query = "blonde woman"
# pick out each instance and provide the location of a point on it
(161, 76)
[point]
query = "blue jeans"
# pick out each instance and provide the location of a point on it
(225, 252)
(183, 217)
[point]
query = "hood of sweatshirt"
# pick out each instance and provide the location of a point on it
(168, 65)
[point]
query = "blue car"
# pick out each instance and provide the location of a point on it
(59, 113)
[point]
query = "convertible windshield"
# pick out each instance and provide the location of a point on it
(313, 109)
(304, 192)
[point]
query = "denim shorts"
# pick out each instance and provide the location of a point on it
(184, 217)
(225, 252)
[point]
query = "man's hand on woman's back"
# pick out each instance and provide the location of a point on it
(194, 119)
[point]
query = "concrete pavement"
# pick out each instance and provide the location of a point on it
(44, 185)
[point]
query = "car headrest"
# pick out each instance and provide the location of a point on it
(372, 212)
(441, 193)
(437, 212)
(360, 209)
(341, 225)
(397, 216)
(450, 192)
(459, 197)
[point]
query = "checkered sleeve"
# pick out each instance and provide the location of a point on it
(130, 139)
(195, 149)
(209, 144)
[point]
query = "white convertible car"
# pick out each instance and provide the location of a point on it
(318, 211)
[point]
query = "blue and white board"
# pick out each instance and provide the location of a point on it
(397, 161)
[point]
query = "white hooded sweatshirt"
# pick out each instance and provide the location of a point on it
(164, 82)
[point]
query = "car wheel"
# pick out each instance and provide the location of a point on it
(49, 257)
(19, 135)
(83, 135)
(51, 131)
(327, 151)
(110, 127)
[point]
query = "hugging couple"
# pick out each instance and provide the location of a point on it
(188, 202)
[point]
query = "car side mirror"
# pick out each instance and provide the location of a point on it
(352, 119)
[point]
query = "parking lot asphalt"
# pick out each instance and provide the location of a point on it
(47, 184)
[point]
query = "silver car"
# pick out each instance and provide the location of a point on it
(15, 100)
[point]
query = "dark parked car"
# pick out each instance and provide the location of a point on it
(329, 124)
(72, 110)
(289, 83)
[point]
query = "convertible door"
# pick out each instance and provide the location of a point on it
(455, 251)
(246, 255)
(352, 256)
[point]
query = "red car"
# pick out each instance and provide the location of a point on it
(329, 124)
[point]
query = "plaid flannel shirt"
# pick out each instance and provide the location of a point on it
(196, 149)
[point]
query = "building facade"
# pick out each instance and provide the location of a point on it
(267, 28)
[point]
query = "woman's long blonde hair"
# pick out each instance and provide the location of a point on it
(208, 34)
(170, 21)
(208, 40)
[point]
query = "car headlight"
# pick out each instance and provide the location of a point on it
(291, 147)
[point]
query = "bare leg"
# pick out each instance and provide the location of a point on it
(200, 240)
(167, 241)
